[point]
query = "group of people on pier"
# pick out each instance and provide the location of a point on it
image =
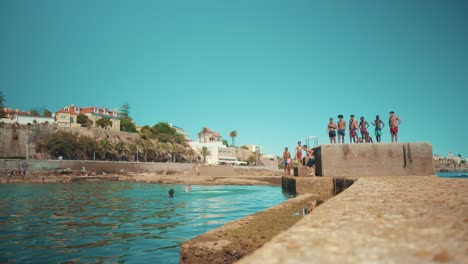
(308, 161)
(355, 127)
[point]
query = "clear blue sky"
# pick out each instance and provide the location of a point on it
(275, 71)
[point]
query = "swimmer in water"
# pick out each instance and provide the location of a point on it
(171, 193)
(188, 187)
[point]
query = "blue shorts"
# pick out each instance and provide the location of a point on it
(341, 132)
(310, 162)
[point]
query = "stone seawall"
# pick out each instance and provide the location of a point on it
(382, 159)
(97, 166)
(236, 239)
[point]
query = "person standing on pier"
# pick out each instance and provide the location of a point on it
(299, 152)
(363, 125)
(287, 161)
(379, 125)
(341, 129)
(394, 122)
(353, 126)
(310, 161)
(331, 129)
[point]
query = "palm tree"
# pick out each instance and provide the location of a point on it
(204, 131)
(205, 152)
(2, 101)
(233, 135)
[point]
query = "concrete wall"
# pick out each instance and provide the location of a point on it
(236, 239)
(98, 166)
(382, 159)
(323, 186)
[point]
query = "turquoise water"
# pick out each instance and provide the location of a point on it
(116, 222)
(459, 175)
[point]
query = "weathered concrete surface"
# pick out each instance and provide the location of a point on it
(308, 185)
(225, 170)
(236, 239)
(382, 159)
(380, 220)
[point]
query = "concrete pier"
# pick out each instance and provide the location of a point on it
(237, 239)
(380, 220)
(382, 159)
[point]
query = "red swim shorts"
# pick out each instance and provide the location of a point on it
(299, 156)
(393, 130)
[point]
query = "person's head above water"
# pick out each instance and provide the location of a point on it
(171, 193)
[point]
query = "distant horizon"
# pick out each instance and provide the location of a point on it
(274, 71)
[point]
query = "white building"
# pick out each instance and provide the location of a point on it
(219, 153)
(24, 119)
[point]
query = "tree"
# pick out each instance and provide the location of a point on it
(459, 155)
(104, 122)
(62, 143)
(103, 147)
(84, 120)
(225, 142)
(34, 112)
(233, 135)
(2, 106)
(127, 125)
(205, 152)
(47, 113)
(125, 111)
(164, 132)
(204, 132)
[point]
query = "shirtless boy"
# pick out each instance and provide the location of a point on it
(287, 161)
(331, 129)
(369, 138)
(394, 122)
(379, 125)
(310, 161)
(363, 125)
(353, 126)
(341, 129)
(299, 152)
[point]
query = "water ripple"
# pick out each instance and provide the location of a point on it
(116, 222)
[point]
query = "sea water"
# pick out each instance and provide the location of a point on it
(459, 175)
(116, 222)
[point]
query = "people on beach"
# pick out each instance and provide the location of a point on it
(287, 161)
(363, 125)
(379, 125)
(171, 193)
(188, 188)
(394, 122)
(299, 152)
(341, 129)
(331, 129)
(353, 126)
(310, 161)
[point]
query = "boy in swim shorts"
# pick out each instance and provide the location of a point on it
(363, 125)
(394, 122)
(331, 129)
(310, 162)
(299, 152)
(341, 129)
(353, 126)
(379, 125)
